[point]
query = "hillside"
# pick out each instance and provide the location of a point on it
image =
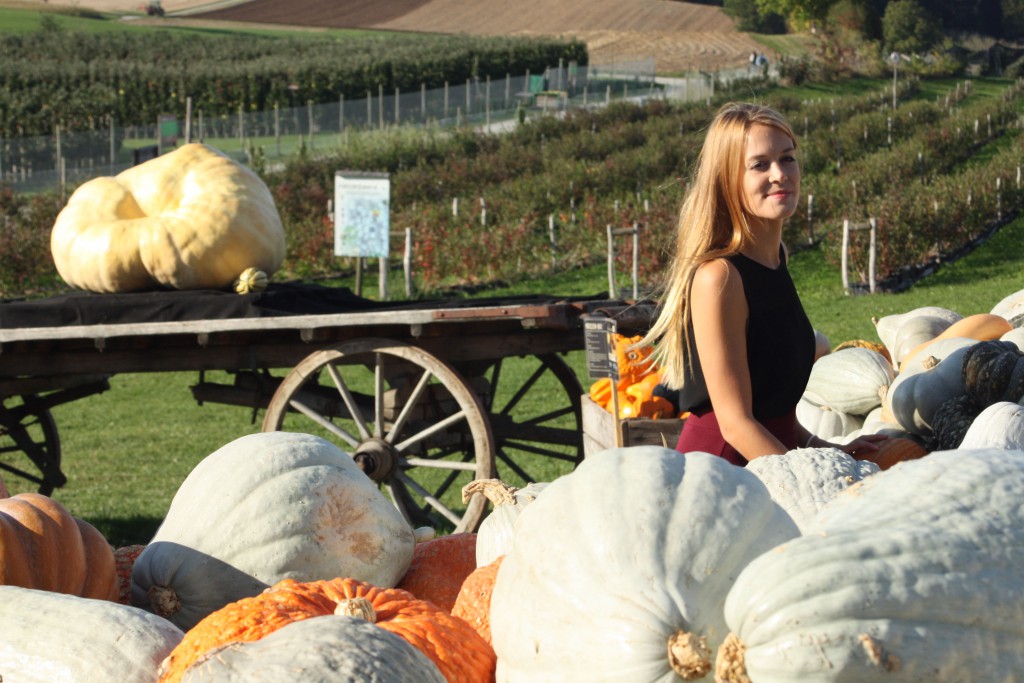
(680, 36)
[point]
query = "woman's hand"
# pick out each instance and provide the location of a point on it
(863, 445)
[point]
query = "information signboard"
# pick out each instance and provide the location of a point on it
(600, 350)
(362, 216)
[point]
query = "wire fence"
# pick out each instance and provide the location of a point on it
(32, 164)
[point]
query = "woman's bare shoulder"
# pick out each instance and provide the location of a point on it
(714, 277)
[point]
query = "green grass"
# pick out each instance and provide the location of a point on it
(127, 450)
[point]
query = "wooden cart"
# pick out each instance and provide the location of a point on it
(416, 393)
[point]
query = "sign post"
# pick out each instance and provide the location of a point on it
(601, 361)
(362, 216)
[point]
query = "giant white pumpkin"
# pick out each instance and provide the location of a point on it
(48, 637)
(619, 570)
(915, 574)
(263, 508)
(189, 219)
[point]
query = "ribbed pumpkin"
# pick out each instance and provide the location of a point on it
(913, 399)
(803, 480)
(265, 507)
(494, 537)
(852, 380)
(901, 332)
(474, 601)
(438, 568)
(618, 571)
(43, 546)
(189, 219)
(449, 642)
(915, 574)
(993, 371)
(48, 637)
(327, 648)
(823, 421)
(1000, 425)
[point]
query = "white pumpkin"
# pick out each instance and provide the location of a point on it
(804, 479)
(914, 332)
(266, 507)
(59, 638)
(1011, 307)
(494, 536)
(937, 350)
(851, 380)
(1015, 336)
(913, 399)
(1000, 425)
(325, 648)
(618, 570)
(876, 422)
(915, 574)
(888, 327)
(823, 421)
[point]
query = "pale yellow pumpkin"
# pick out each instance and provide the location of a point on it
(190, 219)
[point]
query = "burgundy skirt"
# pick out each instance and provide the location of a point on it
(701, 433)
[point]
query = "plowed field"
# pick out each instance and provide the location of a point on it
(680, 36)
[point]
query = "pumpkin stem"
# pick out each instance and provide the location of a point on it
(494, 490)
(930, 362)
(356, 607)
(730, 666)
(689, 655)
(164, 601)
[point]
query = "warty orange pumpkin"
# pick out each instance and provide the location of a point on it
(458, 651)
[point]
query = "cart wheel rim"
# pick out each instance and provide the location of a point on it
(399, 436)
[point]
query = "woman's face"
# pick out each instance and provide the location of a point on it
(771, 175)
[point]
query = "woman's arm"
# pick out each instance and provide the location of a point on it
(719, 313)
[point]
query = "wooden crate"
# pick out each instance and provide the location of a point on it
(599, 430)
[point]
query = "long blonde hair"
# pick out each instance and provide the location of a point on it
(712, 224)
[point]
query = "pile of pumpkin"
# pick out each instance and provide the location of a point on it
(938, 379)
(279, 560)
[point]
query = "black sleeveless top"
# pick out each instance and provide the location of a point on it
(780, 343)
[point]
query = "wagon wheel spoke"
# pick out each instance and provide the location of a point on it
(346, 396)
(316, 417)
(538, 424)
(430, 499)
(409, 420)
(31, 445)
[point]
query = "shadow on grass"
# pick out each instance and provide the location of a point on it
(122, 531)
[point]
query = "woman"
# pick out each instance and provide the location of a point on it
(744, 360)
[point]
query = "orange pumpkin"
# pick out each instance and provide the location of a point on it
(980, 326)
(601, 392)
(894, 450)
(43, 547)
(438, 568)
(458, 651)
(474, 601)
(633, 363)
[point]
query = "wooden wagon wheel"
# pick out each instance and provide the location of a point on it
(409, 420)
(27, 428)
(534, 410)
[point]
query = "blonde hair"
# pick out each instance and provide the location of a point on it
(712, 224)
